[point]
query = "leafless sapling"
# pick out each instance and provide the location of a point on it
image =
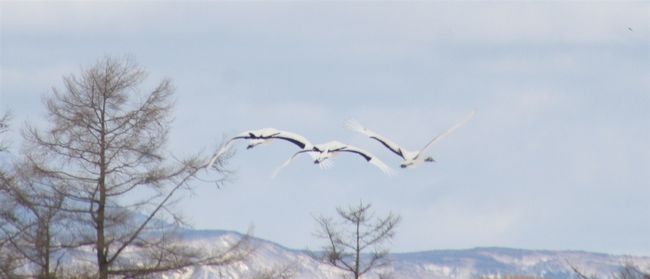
(355, 244)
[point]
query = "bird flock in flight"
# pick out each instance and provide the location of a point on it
(322, 153)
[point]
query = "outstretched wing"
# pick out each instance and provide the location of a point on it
(294, 138)
(263, 134)
(369, 157)
(287, 162)
(392, 146)
(225, 147)
(446, 133)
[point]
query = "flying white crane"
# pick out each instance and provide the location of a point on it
(257, 137)
(411, 158)
(330, 149)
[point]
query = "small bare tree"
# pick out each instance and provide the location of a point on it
(627, 271)
(30, 223)
(276, 272)
(104, 154)
(630, 271)
(348, 241)
(9, 258)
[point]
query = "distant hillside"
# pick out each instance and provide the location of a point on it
(471, 263)
(272, 258)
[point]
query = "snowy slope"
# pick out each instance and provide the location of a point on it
(472, 263)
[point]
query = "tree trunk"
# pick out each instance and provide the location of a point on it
(102, 261)
(357, 261)
(46, 256)
(100, 245)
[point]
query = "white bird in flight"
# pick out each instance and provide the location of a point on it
(411, 158)
(330, 149)
(257, 137)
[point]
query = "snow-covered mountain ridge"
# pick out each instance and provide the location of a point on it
(471, 263)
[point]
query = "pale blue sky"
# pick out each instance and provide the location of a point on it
(557, 156)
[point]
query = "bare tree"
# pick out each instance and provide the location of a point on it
(276, 272)
(630, 271)
(104, 153)
(30, 223)
(33, 223)
(350, 240)
(627, 271)
(9, 258)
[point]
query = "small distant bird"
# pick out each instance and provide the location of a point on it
(630, 28)
(330, 149)
(262, 136)
(411, 158)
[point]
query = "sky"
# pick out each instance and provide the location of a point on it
(556, 157)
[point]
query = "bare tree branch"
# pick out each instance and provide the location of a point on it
(346, 249)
